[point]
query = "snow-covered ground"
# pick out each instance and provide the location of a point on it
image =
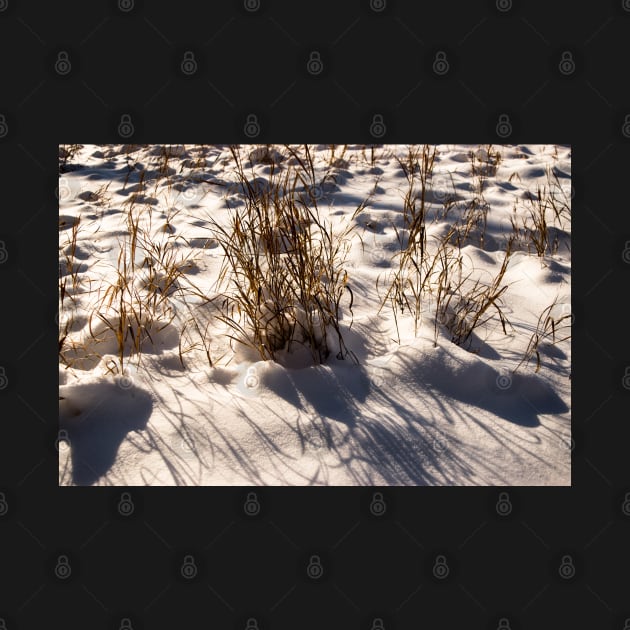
(415, 408)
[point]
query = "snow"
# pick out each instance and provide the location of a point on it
(414, 409)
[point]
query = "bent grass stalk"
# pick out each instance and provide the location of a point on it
(406, 286)
(282, 278)
(547, 326)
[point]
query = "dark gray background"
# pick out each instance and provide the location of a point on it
(558, 72)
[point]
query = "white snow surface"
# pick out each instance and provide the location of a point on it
(417, 409)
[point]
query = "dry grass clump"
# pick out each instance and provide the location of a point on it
(283, 277)
(435, 271)
(548, 210)
(406, 284)
(69, 279)
(484, 163)
(66, 154)
(469, 303)
(134, 306)
(553, 326)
